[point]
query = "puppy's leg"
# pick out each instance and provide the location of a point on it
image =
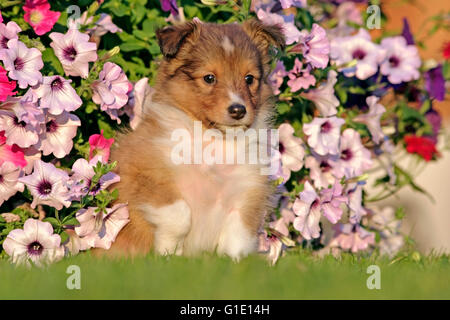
(236, 239)
(172, 223)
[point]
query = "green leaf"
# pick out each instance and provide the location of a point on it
(71, 221)
(53, 221)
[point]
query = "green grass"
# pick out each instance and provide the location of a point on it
(297, 276)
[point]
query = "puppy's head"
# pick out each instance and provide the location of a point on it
(217, 73)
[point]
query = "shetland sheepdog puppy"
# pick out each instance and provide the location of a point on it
(216, 76)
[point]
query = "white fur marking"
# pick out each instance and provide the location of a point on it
(172, 223)
(235, 98)
(235, 239)
(227, 45)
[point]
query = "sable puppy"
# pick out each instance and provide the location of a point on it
(216, 74)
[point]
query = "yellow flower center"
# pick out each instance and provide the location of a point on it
(36, 17)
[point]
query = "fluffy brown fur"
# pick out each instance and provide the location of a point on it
(191, 51)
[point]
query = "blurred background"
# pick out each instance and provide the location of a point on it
(427, 222)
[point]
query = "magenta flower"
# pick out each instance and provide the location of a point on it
(22, 63)
(300, 78)
(40, 17)
(100, 146)
(110, 91)
(307, 209)
(170, 5)
(352, 237)
(58, 135)
(57, 95)
(372, 118)
(9, 184)
(277, 76)
(8, 32)
(359, 47)
(291, 148)
(402, 60)
(36, 243)
(48, 185)
(323, 97)
(354, 159)
(99, 230)
(83, 172)
(6, 87)
(74, 51)
(324, 134)
(10, 153)
(316, 47)
(135, 107)
(320, 170)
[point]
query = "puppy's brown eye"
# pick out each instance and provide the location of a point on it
(249, 79)
(209, 78)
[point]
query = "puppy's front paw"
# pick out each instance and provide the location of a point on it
(236, 240)
(172, 223)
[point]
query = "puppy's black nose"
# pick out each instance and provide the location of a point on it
(237, 111)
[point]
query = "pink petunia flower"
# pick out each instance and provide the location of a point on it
(6, 87)
(352, 237)
(40, 17)
(315, 46)
(57, 95)
(300, 78)
(276, 77)
(10, 153)
(357, 211)
(36, 243)
(83, 172)
(58, 134)
(141, 93)
(320, 170)
(99, 230)
(26, 112)
(360, 47)
(372, 118)
(331, 200)
(100, 146)
(31, 155)
(74, 51)
(324, 135)
(110, 91)
(271, 246)
(8, 32)
(354, 158)
(307, 209)
(402, 60)
(9, 184)
(22, 63)
(291, 148)
(48, 185)
(323, 97)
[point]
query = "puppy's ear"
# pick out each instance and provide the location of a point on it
(171, 38)
(263, 35)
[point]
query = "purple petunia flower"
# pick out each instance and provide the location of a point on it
(352, 237)
(74, 51)
(402, 61)
(276, 78)
(307, 209)
(57, 95)
(435, 83)
(406, 32)
(169, 5)
(435, 119)
(357, 211)
(47, 185)
(291, 148)
(286, 4)
(22, 63)
(324, 134)
(300, 78)
(287, 23)
(320, 170)
(315, 46)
